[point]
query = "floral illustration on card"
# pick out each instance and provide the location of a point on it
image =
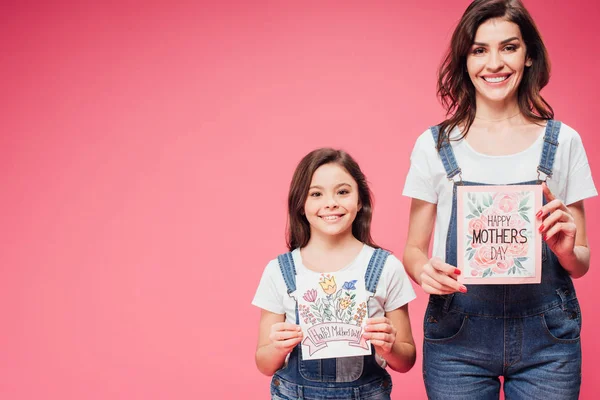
(337, 304)
(499, 233)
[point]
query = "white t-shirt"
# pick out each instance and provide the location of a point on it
(393, 290)
(426, 180)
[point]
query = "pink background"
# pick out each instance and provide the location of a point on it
(147, 149)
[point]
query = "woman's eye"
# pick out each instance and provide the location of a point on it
(510, 48)
(478, 50)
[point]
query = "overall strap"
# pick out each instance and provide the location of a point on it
(550, 146)
(375, 268)
(288, 270)
(446, 154)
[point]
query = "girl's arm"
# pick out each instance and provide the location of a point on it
(392, 337)
(564, 231)
(276, 339)
(434, 276)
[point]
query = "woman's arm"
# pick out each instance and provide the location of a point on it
(434, 276)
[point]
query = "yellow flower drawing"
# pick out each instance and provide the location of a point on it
(345, 302)
(328, 284)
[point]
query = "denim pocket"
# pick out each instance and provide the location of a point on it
(563, 323)
(442, 326)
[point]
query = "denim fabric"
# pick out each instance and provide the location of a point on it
(529, 334)
(337, 378)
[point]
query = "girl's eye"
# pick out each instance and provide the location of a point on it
(343, 191)
(315, 194)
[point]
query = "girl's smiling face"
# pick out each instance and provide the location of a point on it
(332, 202)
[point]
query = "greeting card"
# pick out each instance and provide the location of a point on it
(498, 239)
(332, 310)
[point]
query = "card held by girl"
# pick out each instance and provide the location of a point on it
(332, 310)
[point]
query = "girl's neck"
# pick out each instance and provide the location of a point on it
(330, 254)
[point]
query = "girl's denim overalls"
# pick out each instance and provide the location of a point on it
(337, 378)
(529, 333)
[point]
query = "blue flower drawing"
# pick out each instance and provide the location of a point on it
(349, 285)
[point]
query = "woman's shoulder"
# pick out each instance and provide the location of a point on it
(568, 134)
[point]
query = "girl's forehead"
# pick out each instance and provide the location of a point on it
(331, 173)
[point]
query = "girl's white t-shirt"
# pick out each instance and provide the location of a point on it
(393, 290)
(571, 179)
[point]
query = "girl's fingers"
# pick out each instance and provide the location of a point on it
(286, 344)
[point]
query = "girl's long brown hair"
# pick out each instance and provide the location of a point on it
(298, 230)
(455, 89)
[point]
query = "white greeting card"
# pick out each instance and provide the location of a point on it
(332, 310)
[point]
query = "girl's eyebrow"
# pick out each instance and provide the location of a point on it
(336, 186)
(510, 39)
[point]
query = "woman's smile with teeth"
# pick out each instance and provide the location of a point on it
(495, 79)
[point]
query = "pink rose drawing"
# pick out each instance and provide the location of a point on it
(502, 266)
(507, 202)
(481, 260)
(518, 249)
(310, 295)
(477, 225)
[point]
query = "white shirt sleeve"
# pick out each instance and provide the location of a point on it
(579, 182)
(399, 290)
(419, 182)
(269, 294)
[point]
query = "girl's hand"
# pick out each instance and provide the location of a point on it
(558, 225)
(381, 333)
(437, 277)
(285, 336)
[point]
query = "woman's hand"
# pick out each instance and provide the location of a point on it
(558, 226)
(437, 277)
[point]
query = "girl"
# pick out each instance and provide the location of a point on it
(330, 208)
(500, 131)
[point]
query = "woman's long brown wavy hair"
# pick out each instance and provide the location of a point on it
(455, 89)
(298, 230)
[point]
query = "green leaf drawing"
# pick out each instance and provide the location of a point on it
(524, 217)
(487, 272)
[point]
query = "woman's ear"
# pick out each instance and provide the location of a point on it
(528, 62)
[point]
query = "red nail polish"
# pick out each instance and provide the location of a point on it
(541, 228)
(539, 214)
(456, 271)
(544, 237)
(463, 289)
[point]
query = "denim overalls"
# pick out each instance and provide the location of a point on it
(337, 378)
(528, 333)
